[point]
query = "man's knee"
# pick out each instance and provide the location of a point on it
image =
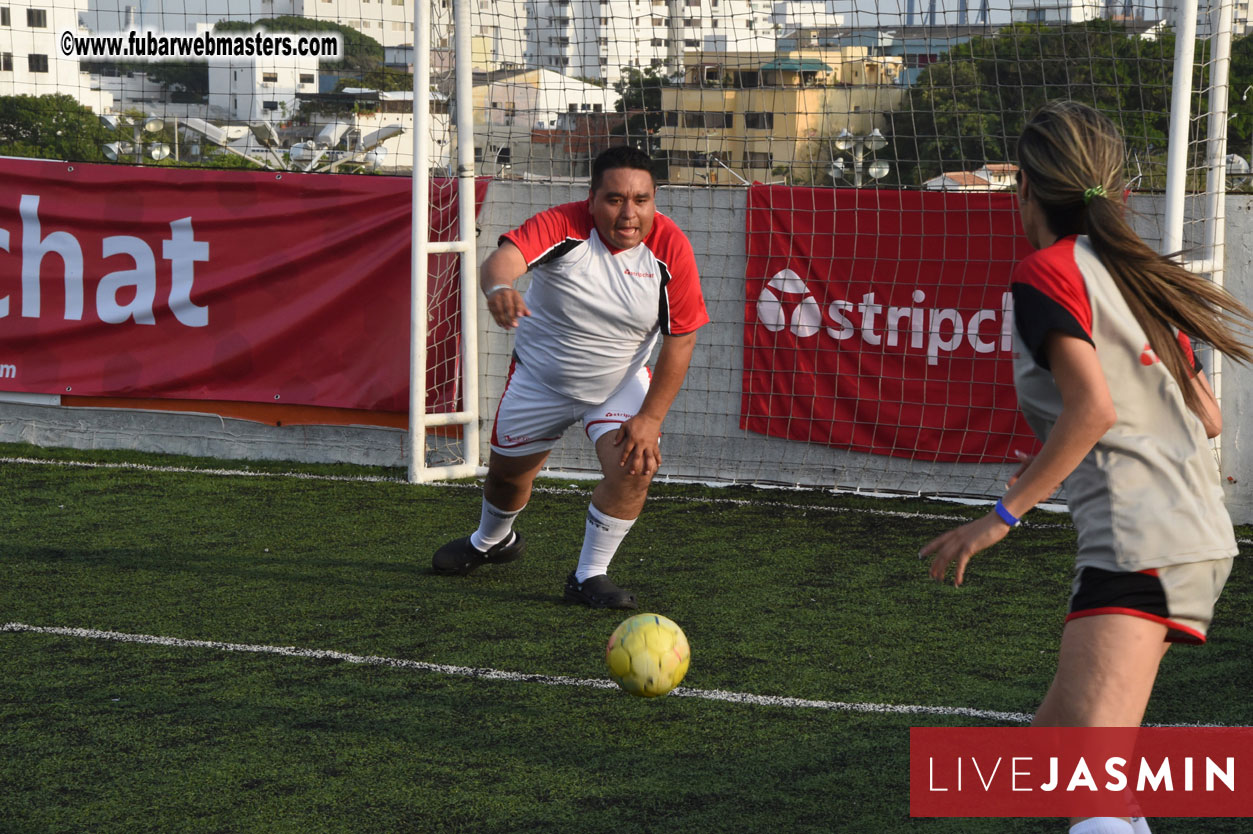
(627, 485)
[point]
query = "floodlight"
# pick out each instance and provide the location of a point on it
(212, 133)
(264, 133)
(843, 140)
(878, 170)
(110, 121)
(330, 135)
(159, 151)
(377, 137)
(152, 124)
(113, 150)
(876, 141)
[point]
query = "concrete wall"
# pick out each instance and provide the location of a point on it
(702, 438)
(1236, 382)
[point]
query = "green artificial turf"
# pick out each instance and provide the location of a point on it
(781, 593)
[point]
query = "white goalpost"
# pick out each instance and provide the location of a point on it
(466, 417)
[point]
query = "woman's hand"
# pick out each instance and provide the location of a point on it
(958, 546)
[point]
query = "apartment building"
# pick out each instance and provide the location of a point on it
(259, 89)
(510, 106)
(499, 35)
(30, 61)
(601, 39)
(740, 117)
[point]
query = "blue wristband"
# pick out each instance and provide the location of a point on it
(1005, 515)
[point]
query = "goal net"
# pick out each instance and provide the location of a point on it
(846, 175)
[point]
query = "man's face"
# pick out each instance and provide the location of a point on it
(623, 207)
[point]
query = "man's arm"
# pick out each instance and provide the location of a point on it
(638, 437)
(502, 269)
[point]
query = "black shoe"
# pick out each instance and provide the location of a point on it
(598, 592)
(457, 558)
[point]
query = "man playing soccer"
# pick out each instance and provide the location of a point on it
(607, 275)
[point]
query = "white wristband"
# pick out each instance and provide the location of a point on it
(497, 289)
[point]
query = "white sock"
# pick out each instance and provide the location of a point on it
(494, 526)
(1140, 825)
(601, 536)
(1102, 825)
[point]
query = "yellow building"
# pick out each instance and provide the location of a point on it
(771, 117)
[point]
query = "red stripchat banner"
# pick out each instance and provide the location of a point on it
(880, 321)
(1081, 772)
(219, 285)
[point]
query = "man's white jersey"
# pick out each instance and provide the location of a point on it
(596, 313)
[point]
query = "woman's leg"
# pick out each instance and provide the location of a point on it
(1105, 673)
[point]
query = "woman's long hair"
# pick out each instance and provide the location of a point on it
(1072, 156)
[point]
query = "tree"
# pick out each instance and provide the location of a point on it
(1240, 127)
(50, 127)
(969, 108)
(383, 79)
(640, 96)
(640, 90)
(186, 81)
(361, 52)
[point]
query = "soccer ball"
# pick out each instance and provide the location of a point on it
(648, 655)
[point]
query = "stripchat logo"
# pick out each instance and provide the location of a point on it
(787, 302)
(805, 317)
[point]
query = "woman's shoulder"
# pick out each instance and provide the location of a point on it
(1052, 267)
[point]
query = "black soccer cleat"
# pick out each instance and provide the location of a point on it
(598, 592)
(459, 557)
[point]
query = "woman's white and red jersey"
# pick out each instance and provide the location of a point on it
(596, 312)
(1148, 494)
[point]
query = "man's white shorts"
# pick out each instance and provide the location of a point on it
(532, 417)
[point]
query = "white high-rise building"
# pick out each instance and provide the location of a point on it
(806, 14)
(30, 60)
(600, 39)
(501, 24)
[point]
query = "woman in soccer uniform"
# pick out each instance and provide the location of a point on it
(1106, 377)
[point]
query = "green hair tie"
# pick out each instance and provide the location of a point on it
(1094, 191)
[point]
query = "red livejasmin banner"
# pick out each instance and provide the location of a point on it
(880, 321)
(220, 285)
(1081, 772)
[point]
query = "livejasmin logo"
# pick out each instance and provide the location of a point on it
(1080, 771)
(934, 330)
(1028, 773)
(181, 250)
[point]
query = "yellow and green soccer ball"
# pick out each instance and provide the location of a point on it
(648, 655)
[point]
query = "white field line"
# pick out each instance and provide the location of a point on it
(249, 473)
(380, 479)
(514, 677)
